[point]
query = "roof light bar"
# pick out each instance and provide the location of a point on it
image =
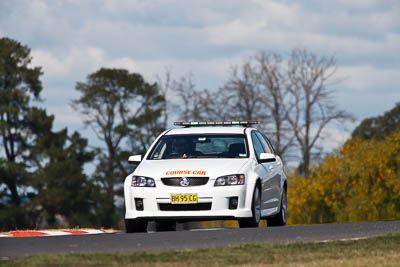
(214, 123)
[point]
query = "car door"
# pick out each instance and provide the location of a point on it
(275, 168)
(266, 175)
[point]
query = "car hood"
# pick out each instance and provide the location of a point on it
(212, 168)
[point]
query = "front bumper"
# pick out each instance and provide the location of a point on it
(218, 197)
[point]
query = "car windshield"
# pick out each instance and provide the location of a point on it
(200, 146)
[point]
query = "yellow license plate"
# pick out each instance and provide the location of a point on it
(183, 198)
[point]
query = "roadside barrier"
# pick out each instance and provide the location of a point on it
(30, 233)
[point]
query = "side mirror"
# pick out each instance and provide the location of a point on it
(267, 157)
(136, 159)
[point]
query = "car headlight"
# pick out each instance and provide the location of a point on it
(141, 181)
(233, 179)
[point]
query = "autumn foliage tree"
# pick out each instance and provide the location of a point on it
(361, 182)
(379, 127)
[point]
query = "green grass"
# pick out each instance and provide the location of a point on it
(382, 251)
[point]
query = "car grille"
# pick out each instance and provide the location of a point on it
(184, 207)
(193, 181)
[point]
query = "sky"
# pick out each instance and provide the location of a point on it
(72, 38)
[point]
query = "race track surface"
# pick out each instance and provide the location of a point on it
(180, 240)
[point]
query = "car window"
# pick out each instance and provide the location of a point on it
(270, 144)
(258, 147)
(200, 146)
(264, 142)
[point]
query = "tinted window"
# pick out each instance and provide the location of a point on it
(265, 144)
(270, 144)
(201, 146)
(258, 147)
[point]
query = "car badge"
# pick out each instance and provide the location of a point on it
(184, 181)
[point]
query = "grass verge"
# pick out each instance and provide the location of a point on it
(381, 250)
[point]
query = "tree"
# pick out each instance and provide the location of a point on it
(254, 91)
(60, 186)
(379, 127)
(271, 78)
(37, 167)
(118, 106)
(293, 102)
(244, 94)
(189, 104)
(359, 182)
(20, 123)
(310, 106)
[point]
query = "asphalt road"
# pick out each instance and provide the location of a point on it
(212, 238)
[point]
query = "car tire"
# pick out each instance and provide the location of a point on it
(163, 226)
(280, 218)
(256, 210)
(135, 225)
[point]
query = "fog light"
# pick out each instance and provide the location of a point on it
(233, 203)
(139, 203)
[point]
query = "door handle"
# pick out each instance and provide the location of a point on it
(271, 167)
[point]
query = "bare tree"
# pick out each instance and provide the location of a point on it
(216, 105)
(244, 94)
(165, 85)
(310, 106)
(187, 99)
(293, 102)
(271, 79)
(254, 91)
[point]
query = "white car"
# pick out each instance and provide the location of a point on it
(206, 171)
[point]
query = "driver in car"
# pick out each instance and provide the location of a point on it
(180, 148)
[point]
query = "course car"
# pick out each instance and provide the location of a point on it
(206, 171)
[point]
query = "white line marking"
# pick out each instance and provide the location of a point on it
(54, 233)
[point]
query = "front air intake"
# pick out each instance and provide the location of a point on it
(176, 181)
(184, 207)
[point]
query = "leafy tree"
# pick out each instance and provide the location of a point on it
(360, 182)
(20, 123)
(18, 84)
(60, 186)
(379, 127)
(119, 106)
(41, 171)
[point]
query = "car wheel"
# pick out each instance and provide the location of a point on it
(135, 225)
(162, 226)
(256, 210)
(280, 218)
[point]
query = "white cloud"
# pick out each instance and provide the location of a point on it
(52, 66)
(236, 32)
(124, 63)
(61, 66)
(333, 138)
(64, 116)
(363, 4)
(129, 6)
(367, 77)
(71, 39)
(38, 9)
(279, 13)
(269, 22)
